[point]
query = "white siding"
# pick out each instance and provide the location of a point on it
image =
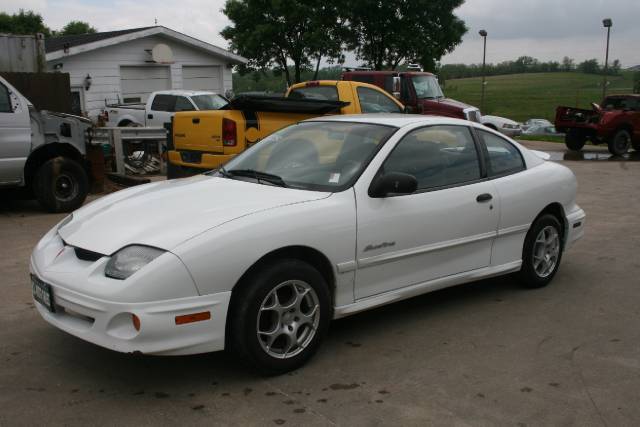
(104, 66)
(202, 78)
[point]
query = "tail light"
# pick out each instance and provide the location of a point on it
(136, 322)
(229, 134)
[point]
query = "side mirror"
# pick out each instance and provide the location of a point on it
(393, 183)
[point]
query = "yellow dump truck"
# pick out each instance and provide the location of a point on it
(204, 140)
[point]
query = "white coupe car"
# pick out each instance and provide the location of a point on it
(321, 220)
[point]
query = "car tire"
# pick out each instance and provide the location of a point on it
(620, 143)
(275, 306)
(61, 185)
(635, 145)
(541, 259)
(173, 171)
(574, 140)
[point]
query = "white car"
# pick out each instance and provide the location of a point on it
(320, 220)
(503, 125)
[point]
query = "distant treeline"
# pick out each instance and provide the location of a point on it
(273, 80)
(526, 64)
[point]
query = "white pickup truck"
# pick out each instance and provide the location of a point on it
(160, 107)
(42, 153)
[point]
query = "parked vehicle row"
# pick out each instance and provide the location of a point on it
(42, 153)
(321, 220)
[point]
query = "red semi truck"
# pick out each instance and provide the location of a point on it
(419, 91)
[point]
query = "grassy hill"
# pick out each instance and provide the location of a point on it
(535, 95)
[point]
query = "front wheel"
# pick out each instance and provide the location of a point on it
(575, 140)
(280, 316)
(620, 143)
(61, 185)
(542, 252)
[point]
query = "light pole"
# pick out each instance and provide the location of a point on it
(483, 34)
(607, 23)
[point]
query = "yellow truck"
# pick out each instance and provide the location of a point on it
(204, 140)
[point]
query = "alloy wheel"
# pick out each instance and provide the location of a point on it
(546, 251)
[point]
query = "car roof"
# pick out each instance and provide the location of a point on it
(185, 92)
(396, 120)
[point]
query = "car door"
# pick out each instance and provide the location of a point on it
(162, 108)
(15, 136)
(444, 228)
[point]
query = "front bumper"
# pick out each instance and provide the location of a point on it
(109, 324)
(575, 227)
(511, 132)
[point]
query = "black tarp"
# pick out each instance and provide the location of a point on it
(283, 105)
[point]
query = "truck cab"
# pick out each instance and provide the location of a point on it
(419, 91)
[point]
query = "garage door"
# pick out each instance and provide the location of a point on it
(202, 78)
(139, 82)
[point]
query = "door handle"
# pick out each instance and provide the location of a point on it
(485, 197)
(195, 120)
(149, 116)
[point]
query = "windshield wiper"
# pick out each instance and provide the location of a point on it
(257, 175)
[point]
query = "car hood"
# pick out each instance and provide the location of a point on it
(452, 103)
(167, 213)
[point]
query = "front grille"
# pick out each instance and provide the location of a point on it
(86, 255)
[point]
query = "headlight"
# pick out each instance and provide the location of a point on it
(509, 126)
(130, 259)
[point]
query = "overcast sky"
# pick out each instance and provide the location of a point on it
(545, 29)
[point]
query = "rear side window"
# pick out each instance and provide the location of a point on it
(164, 103)
(5, 100)
(326, 93)
(503, 158)
(373, 101)
(437, 156)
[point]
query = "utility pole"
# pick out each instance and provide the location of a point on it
(483, 33)
(607, 23)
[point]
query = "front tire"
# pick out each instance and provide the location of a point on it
(61, 185)
(542, 252)
(574, 140)
(620, 143)
(279, 316)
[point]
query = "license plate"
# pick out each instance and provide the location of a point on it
(43, 293)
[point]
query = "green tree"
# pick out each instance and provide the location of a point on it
(636, 82)
(615, 67)
(385, 33)
(75, 28)
(567, 64)
(276, 33)
(590, 66)
(23, 22)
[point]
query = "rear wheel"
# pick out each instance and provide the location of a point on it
(542, 252)
(61, 185)
(620, 143)
(280, 316)
(575, 140)
(636, 145)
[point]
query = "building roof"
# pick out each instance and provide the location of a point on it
(51, 44)
(60, 47)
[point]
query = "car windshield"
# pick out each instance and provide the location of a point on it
(209, 102)
(320, 156)
(427, 87)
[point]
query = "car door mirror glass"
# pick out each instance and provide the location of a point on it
(393, 183)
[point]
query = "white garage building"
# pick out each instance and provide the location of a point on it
(127, 65)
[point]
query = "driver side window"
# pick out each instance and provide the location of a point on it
(372, 101)
(5, 100)
(437, 156)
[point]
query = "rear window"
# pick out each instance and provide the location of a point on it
(326, 93)
(5, 100)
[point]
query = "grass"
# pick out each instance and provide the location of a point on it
(535, 95)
